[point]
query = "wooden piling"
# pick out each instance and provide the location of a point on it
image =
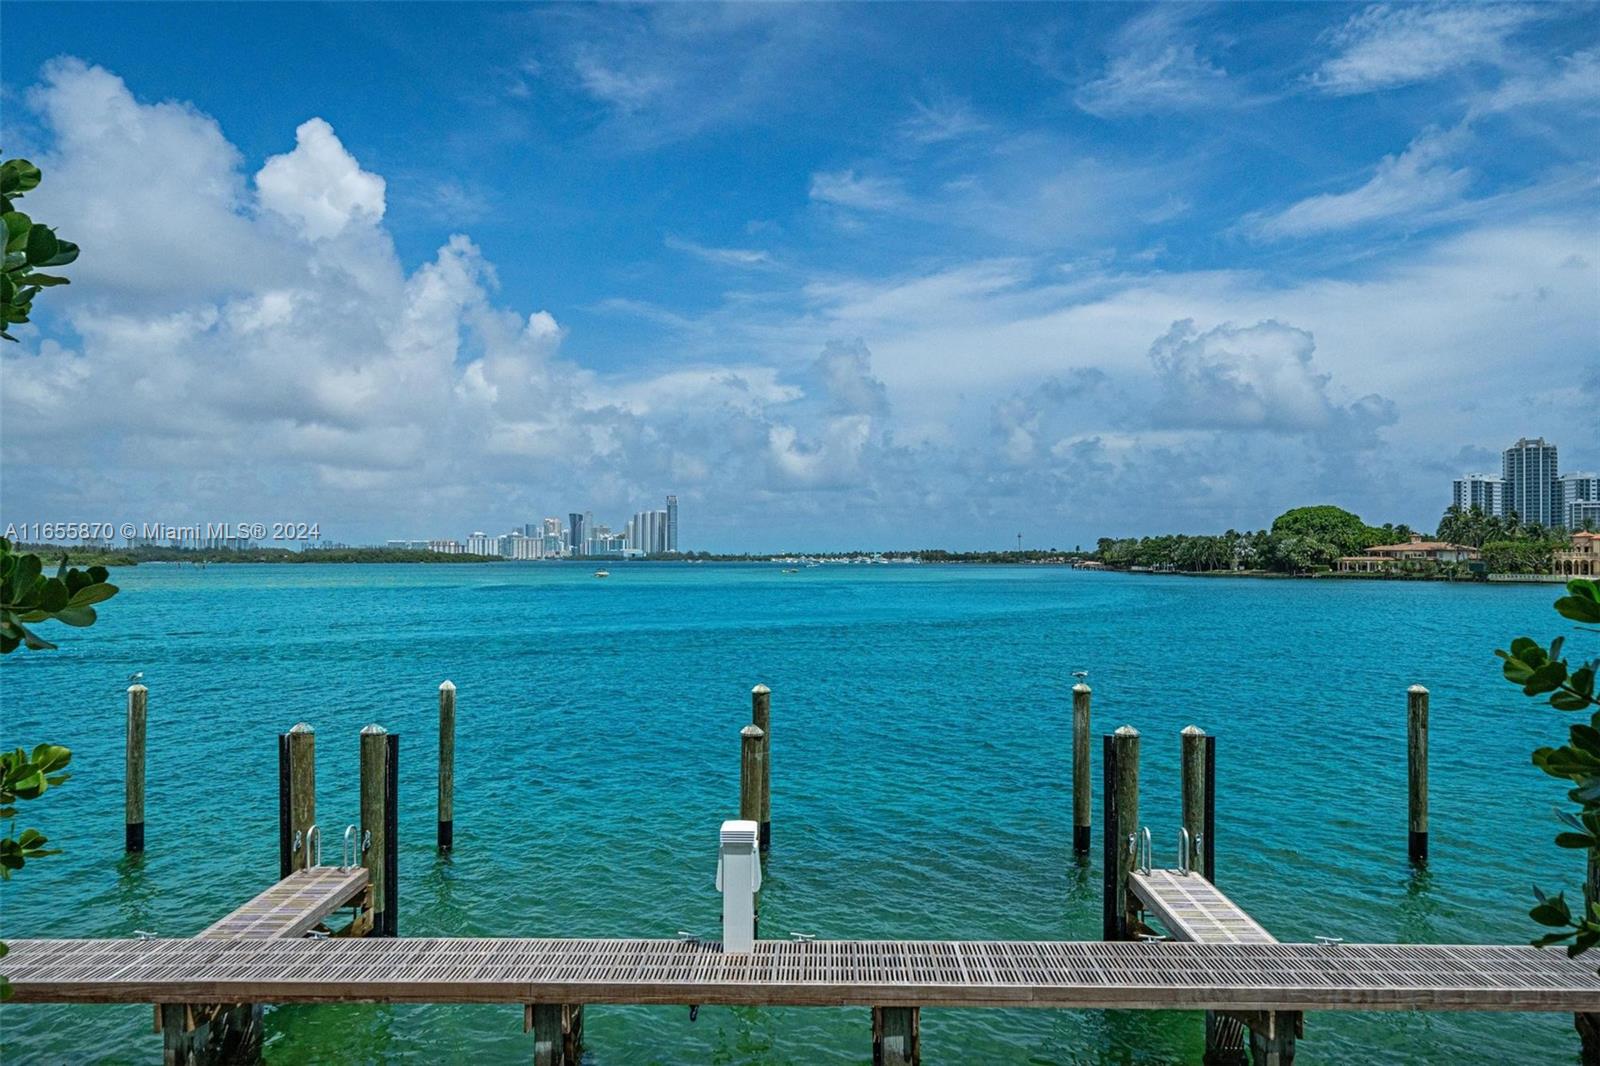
(751, 763)
(380, 756)
(211, 1034)
(447, 765)
(1225, 1038)
(557, 1033)
(297, 795)
(896, 1036)
(761, 718)
(1199, 815)
(1121, 759)
(1082, 792)
(752, 757)
(133, 790)
(1272, 1037)
(1417, 771)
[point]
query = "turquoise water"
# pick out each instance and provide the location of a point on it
(921, 771)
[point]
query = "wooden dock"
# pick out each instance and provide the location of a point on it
(1053, 974)
(1172, 940)
(1193, 911)
(294, 906)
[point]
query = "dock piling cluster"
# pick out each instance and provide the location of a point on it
(1182, 903)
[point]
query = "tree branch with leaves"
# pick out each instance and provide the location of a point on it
(30, 246)
(27, 597)
(1543, 671)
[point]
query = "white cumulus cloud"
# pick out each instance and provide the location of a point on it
(319, 185)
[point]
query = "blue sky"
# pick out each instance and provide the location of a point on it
(837, 275)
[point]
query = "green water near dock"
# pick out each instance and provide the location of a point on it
(921, 780)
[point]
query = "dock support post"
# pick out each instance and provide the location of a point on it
(297, 795)
(380, 758)
(896, 1036)
(752, 762)
(133, 792)
(1272, 1038)
(761, 718)
(210, 1035)
(1198, 753)
(557, 1033)
(1082, 802)
(1588, 1025)
(1225, 1044)
(447, 765)
(1121, 758)
(1417, 771)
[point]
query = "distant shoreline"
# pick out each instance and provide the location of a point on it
(79, 556)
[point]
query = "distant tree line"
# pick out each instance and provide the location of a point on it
(1309, 539)
(1509, 545)
(1301, 540)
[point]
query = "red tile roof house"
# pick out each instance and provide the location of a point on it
(1384, 557)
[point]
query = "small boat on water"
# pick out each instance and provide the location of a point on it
(602, 573)
(791, 570)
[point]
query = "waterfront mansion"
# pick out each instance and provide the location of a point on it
(1384, 557)
(1581, 558)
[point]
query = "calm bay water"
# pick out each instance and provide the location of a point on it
(921, 773)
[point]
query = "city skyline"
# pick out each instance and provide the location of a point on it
(1113, 269)
(1531, 486)
(649, 532)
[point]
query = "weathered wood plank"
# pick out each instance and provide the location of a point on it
(294, 906)
(1193, 910)
(1236, 977)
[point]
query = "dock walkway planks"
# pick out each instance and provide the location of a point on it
(293, 906)
(1193, 911)
(1156, 976)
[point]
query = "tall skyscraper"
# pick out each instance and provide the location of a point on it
(1577, 498)
(575, 532)
(672, 523)
(1483, 491)
(1529, 470)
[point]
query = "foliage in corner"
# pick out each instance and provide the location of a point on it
(26, 775)
(30, 245)
(1542, 671)
(27, 597)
